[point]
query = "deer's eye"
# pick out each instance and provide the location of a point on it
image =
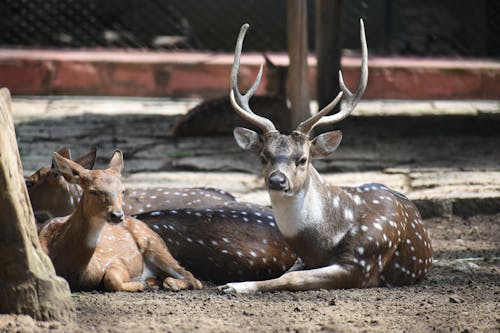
(301, 161)
(94, 192)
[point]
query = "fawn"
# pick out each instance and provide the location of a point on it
(347, 237)
(99, 246)
(50, 194)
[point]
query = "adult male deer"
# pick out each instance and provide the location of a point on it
(52, 196)
(97, 245)
(363, 236)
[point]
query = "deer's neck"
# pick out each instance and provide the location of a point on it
(65, 200)
(316, 209)
(78, 242)
(73, 195)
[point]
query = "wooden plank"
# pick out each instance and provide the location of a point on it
(328, 50)
(298, 86)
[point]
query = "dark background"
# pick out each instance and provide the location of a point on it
(457, 28)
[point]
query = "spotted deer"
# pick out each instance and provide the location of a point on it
(99, 246)
(234, 242)
(347, 237)
(52, 196)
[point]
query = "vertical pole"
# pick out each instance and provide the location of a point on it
(298, 85)
(328, 50)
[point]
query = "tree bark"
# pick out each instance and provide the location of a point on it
(298, 86)
(28, 282)
(328, 51)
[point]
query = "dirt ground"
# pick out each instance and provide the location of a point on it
(461, 294)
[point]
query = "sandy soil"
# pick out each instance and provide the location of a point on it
(462, 294)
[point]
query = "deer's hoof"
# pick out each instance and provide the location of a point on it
(174, 284)
(226, 289)
(238, 288)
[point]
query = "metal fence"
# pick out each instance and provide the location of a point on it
(468, 28)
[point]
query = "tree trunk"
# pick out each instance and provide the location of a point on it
(328, 51)
(28, 283)
(298, 86)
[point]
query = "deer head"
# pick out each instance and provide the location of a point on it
(286, 158)
(102, 189)
(50, 194)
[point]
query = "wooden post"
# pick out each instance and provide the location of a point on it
(298, 86)
(28, 282)
(328, 50)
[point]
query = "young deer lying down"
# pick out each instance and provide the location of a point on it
(347, 237)
(52, 196)
(98, 246)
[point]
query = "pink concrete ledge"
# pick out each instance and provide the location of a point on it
(125, 73)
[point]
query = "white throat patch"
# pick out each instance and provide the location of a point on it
(296, 213)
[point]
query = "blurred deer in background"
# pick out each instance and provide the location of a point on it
(216, 116)
(99, 246)
(347, 237)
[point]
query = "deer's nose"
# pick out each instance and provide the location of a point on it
(277, 181)
(116, 215)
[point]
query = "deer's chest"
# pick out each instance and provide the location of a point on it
(116, 246)
(296, 214)
(316, 247)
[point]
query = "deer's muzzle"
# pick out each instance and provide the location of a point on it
(116, 216)
(278, 181)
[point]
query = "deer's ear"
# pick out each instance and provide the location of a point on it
(269, 63)
(116, 162)
(325, 144)
(247, 139)
(65, 152)
(87, 160)
(71, 171)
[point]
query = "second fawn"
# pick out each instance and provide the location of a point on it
(99, 246)
(347, 237)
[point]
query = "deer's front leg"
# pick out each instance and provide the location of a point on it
(177, 278)
(116, 278)
(330, 277)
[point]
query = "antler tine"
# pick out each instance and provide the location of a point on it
(307, 125)
(351, 99)
(240, 102)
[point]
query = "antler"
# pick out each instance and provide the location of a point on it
(239, 101)
(351, 99)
